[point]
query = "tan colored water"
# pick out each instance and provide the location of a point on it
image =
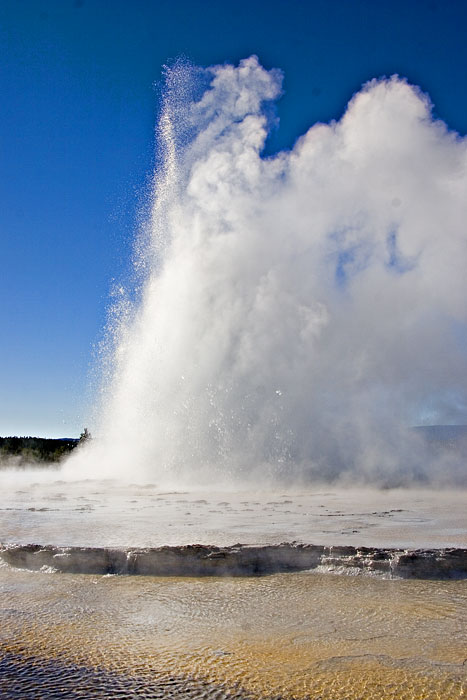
(289, 636)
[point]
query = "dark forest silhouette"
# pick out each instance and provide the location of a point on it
(22, 451)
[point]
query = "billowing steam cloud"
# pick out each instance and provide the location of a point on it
(299, 312)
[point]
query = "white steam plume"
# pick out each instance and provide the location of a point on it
(301, 311)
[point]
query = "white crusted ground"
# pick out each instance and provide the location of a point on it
(42, 509)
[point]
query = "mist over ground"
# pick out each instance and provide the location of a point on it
(299, 312)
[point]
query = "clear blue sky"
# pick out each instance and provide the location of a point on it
(77, 113)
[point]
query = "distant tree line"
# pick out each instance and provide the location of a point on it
(22, 451)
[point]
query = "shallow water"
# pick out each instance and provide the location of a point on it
(303, 635)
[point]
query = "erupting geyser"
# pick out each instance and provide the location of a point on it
(299, 312)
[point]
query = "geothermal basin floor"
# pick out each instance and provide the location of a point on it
(38, 508)
(306, 635)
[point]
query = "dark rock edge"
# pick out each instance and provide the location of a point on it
(238, 560)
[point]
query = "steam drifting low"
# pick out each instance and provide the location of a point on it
(299, 312)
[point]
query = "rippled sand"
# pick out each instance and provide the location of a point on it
(289, 636)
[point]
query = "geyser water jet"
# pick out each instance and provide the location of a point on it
(299, 312)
